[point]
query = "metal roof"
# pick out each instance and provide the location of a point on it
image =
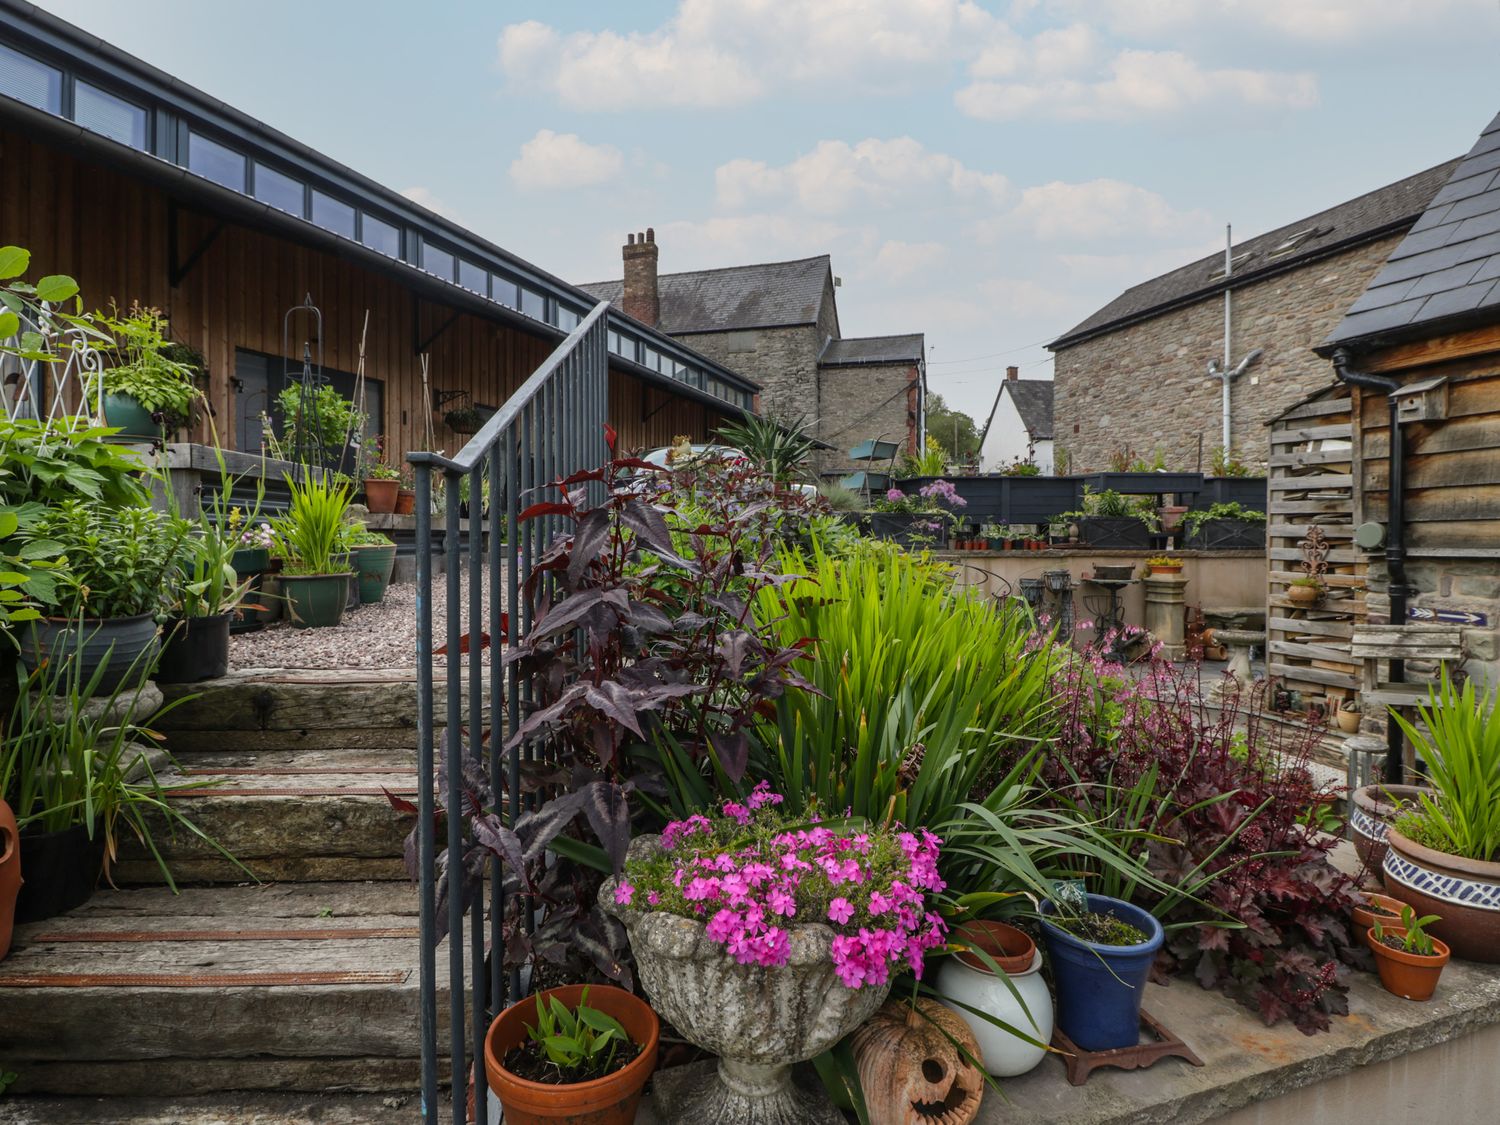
(765, 295)
(1447, 269)
(480, 276)
(1368, 217)
(873, 349)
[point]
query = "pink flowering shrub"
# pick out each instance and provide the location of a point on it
(750, 873)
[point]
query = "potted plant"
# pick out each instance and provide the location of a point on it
(1375, 907)
(151, 387)
(580, 1054)
(319, 427)
(1307, 590)
(1409, 960)
(1101, 950)
(406, 496)
(10, 872)
(1371, 813)
(1224, 526)
(1348, 716)
(997, 969)
(463, 420)
(1110, 519)
(382, 482)
(765, 964)
(922, 519)
(252, 561)
(373, 556)
(1444, 852)
(1164, 565)
(112, 582)
(314, 573)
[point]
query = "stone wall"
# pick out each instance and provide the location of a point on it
(784, 361)
(1144, 387)
(1471, 585)
(865, 401)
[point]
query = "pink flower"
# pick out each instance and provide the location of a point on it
(652, 898)
(840, 910)
(895, 495)
(781, 902)
(624, 893)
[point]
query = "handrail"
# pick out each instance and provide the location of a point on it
(468, 458)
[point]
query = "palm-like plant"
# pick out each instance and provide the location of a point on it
(1461, 747)
(781, 449)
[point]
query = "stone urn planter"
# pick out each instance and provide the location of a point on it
(1371, 813)
(1463, 893)
(759, 1021)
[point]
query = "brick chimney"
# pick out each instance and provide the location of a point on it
(640, 298)
(1012, 374)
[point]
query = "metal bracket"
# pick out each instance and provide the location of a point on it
(416, 328)
(178, 270)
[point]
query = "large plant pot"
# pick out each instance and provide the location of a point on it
(59, 871)
(315, 601)
(1371, 813)
(611, 1100)
(1227, 535)
(1113, 532)
(196, 648)
(1410, 976)
(374, 565)
(133, 419)
(1463, 893)
(124, 646)
(910, 529)
(1099, 987)
(758, 1021)
(380, 495)
(10, 874)
(1020, 999)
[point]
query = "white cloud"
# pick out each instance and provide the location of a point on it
(1095, 209)
(901, 261)
(552, 161)
(1321, 21)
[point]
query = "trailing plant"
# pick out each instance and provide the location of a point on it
(310, 536)
(356, 534)
(463, 419)
(148, 367)
(1457, 736)
(780, 449)
(1232, 511)
(112, 562)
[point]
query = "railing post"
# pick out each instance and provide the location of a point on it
(426, 803)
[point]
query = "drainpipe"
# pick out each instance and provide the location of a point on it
(1395, 537)
(1228, 326)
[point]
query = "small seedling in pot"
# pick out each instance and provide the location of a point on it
(568, 1045)
(1415, 940)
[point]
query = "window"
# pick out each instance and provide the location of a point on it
(615, 344)
(473, 278)
(567, 319)
(216, 162)
(1296, 239)
(333, 214)
(381, 236)
(1236, 262)
(533, 304)
(109, 116)
(29, 81)
(278, 190)
(504, 290)
(437, 260)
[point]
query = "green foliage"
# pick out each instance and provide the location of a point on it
(932, 462)
(579, 1041)
(26, 569)
(1458, 736)
(1234, 511)
(1022, 467)
(114, 562)
(144, 366)
(1114, 505)
(325, 427)
(956, 433)
(310, 536)
(841, 499)
(208, 585)
(49, 466)
(779, 449)
(1224, 464)
(1415, 938)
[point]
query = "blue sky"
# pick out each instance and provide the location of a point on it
(986, 173)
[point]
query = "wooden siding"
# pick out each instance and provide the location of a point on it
(110, 231)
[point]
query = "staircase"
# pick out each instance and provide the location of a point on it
(300, 984)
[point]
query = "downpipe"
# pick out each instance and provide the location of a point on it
(1397, 587)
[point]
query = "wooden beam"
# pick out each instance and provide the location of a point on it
(1477, 341)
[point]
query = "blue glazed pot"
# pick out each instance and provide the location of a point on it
(1095, 1009)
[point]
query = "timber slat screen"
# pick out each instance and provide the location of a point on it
(552, 427)
(1313, 468)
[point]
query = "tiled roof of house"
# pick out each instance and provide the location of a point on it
(873, 349)
(1370, 216)
(1033, 399)
(767, 295)
(1447, 269)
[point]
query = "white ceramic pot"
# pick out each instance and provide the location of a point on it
(1005, 1055)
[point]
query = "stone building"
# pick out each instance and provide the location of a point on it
(777, 323)
(1019, 427)
(1135, 376)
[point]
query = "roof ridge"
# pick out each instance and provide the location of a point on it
(719, 269)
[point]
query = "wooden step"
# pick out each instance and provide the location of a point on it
(310, 986)
(304, 815)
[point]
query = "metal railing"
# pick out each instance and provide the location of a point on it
(551, 427)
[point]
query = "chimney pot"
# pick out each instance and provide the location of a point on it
(1012, 374)
(630, 240)
(650, 234)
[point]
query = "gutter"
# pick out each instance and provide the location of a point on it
(1397, 587)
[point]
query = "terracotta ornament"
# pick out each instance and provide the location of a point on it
(911, 1071)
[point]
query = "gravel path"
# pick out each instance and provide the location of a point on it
(372, 636)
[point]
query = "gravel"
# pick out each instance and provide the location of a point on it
(373, 636)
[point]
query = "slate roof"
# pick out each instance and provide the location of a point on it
(1368, 217)
(873, 349)
(1033, 399)
(1447, 269)
(768, 295)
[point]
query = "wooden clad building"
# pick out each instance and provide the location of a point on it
(149, 191)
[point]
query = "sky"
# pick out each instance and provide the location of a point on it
(986, 173)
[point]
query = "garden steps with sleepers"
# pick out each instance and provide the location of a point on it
(309, 986)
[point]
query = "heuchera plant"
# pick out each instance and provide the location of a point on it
(750, 873)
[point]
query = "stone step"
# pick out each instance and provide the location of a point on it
(217, 1109)
(309, 987)
(269, 709)
(285, 815)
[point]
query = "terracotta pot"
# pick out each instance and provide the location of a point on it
(1006, 545)
(1156, 569)
(611, 1100)
(1363, 917)
(1463, 893)
(10, 874)
(1303, 595)
(1008, 947)
(406, 502)
(380, 495)
(1408, 975)
(1371, 814)
(1348, 721)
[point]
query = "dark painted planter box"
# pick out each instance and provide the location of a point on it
(993, 498)
(900, 527)
(1227, 535)
(1114, 532)
(1145, 484)
(1247, 492)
